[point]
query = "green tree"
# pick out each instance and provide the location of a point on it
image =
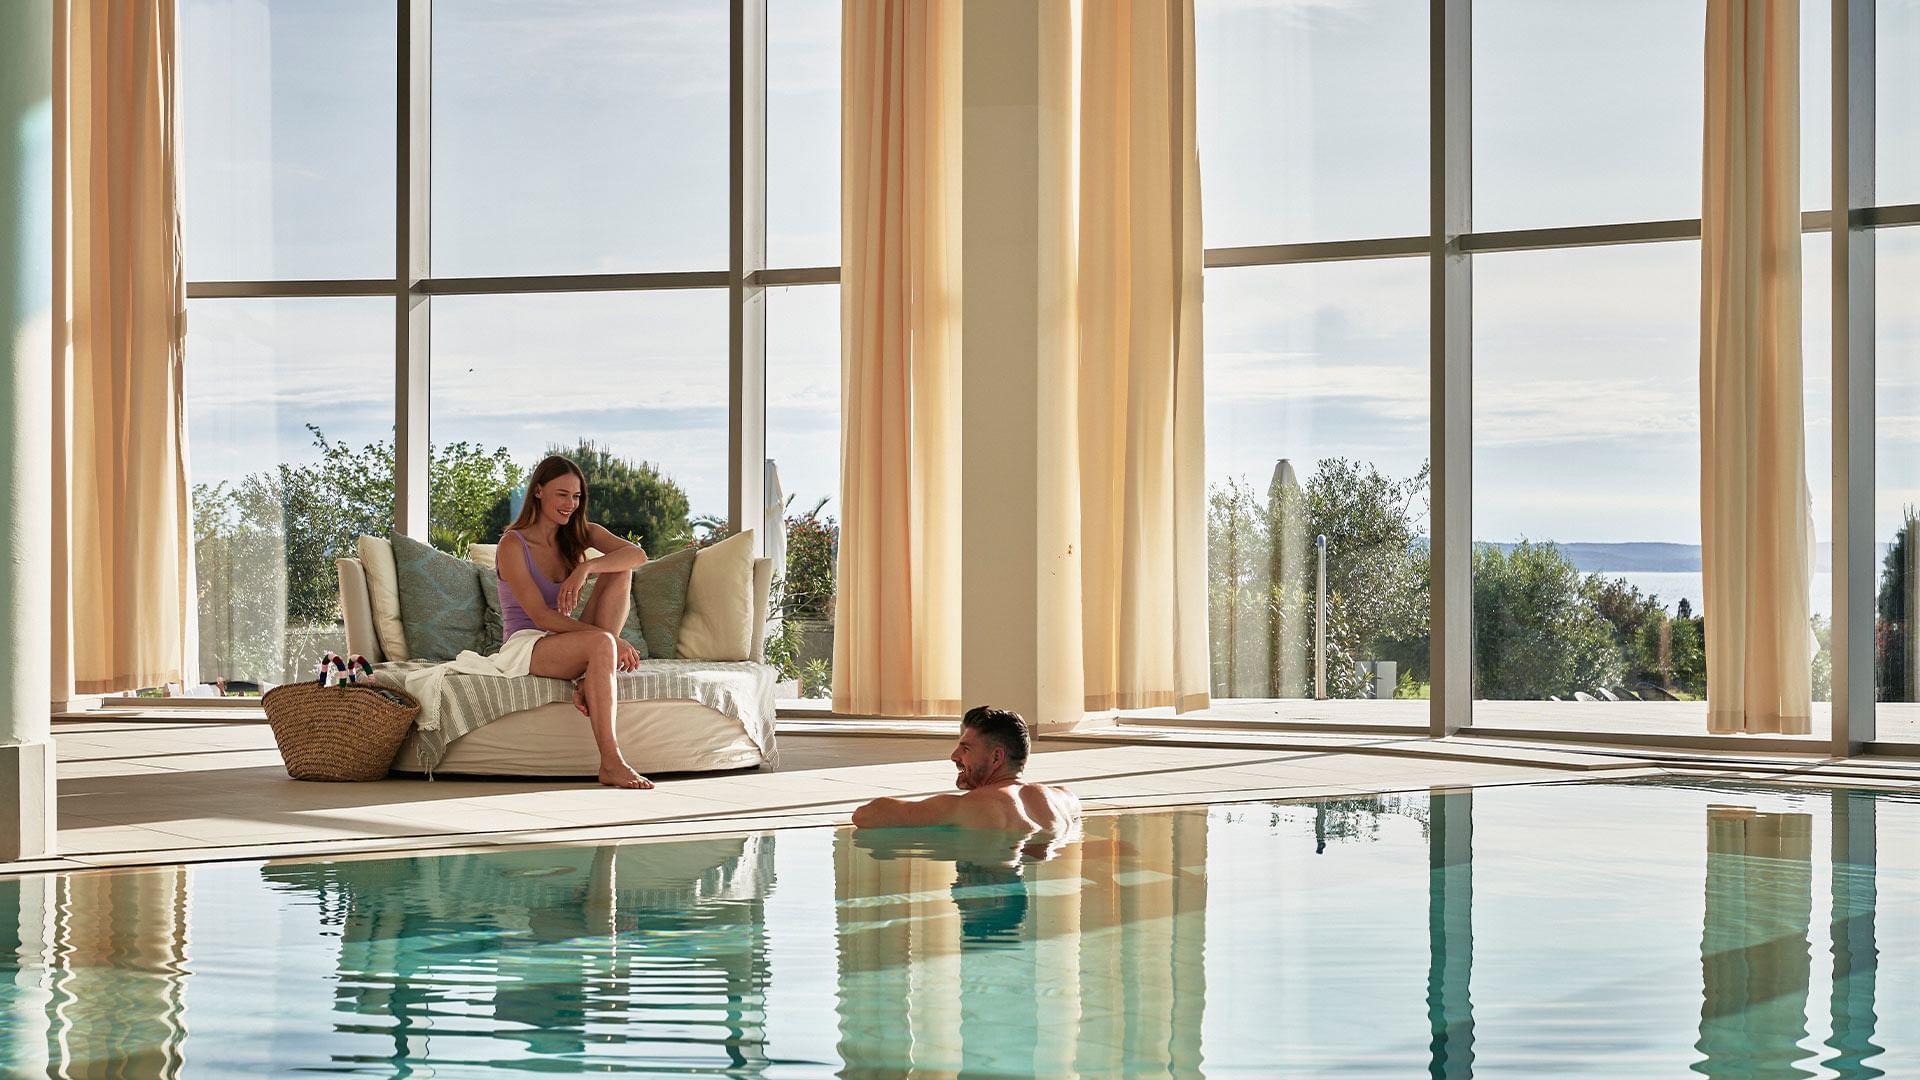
(1536, 632)
(466, 482)
(265, 546)
(631, 499)
(1892, 630)
(1263, 578)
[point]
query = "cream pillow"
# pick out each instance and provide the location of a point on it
(718, 624)
(383, 591)
(482, 554)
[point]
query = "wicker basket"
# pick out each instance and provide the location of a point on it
(339, 732)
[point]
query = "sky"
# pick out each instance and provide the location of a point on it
(582, 137)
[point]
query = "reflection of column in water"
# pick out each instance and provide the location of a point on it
(1450, 934)
(1755, 960)
(107, 955)
(1856, 954)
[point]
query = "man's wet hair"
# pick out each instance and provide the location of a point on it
(1004, 728)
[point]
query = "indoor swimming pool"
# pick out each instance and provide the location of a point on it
(1587, 929)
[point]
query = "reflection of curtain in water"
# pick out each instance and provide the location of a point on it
(1856, 953)
(1142, 945)
(1450, 935)
(1089, 963)
(104, 960)
(1754, 954)
(899, 992)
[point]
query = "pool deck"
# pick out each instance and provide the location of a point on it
(194, 786)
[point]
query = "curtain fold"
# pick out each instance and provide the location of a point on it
(897, 616)
(1142, 443)
(1755, 519)
(121, 290)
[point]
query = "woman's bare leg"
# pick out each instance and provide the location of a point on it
(612, 599)
(607, 609)
(589, 655)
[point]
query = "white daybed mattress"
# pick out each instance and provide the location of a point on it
(659, 736)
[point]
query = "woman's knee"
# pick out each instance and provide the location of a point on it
(602, 650)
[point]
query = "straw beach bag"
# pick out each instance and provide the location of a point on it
(339, 732)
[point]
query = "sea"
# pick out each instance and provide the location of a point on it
(1671, 586)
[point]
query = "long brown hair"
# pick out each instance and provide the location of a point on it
(570, 538)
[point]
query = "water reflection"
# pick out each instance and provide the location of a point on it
(955, 953)
(590, 956)
(960, 953)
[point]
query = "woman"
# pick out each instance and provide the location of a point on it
(543, 566)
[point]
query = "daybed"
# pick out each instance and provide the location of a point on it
(721, 718)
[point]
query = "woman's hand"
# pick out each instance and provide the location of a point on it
(569, 597)
(628, 658)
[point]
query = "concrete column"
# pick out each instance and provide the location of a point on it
(1020, 634)
(26, 415)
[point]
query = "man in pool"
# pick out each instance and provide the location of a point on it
(991, 753)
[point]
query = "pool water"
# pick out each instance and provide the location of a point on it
(1606, 930)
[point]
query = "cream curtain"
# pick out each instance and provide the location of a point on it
(1754, 515)
(896, 647)
(121, 297)
(1142, 445)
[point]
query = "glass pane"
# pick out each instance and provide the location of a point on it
(1313, 119)
(1816, 104)
(803, 133)
(1586, 509)
(287, 113)
(290, 422)
(1317, 425)
(640, 376)
(803, 441)
(1897, 473)
(579, 136)
(1586, 113)
(1897, 108)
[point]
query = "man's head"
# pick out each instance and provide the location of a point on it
(993, 746)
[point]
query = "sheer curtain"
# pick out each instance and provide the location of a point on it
(121, 322)
(1755, 519)
(1142, 444)
(896, 645)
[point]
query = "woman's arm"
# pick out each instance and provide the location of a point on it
(510, 562)
(615, 556)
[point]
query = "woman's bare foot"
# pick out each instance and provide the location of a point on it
(621, 775)
(580, 699)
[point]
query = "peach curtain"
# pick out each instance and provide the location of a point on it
(120, 295)
(896, 648)
(1142, 444)
(1755, 520)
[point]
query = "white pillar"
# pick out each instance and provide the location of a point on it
(26, 416)
(1020, 635)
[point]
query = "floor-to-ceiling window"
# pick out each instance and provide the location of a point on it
(1579, 164)
(562, 175)
(288, 175)
(1313, 147)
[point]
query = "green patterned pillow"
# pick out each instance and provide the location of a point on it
(442, 601)
(660, 599)
(490, 592)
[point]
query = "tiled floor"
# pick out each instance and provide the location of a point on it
(136, 792)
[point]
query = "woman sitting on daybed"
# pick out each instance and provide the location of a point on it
(543, 566)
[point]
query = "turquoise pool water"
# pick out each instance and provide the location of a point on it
(1604, 930)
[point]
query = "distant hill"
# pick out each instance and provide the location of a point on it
(1636, 557)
